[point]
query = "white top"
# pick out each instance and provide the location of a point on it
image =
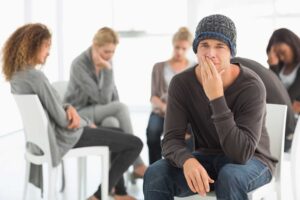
(169, 72)
(288, 79)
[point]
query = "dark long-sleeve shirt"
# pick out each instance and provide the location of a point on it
(233, 124)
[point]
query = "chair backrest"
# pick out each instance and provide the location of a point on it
(61, 88)
(275, 123)
(295, 161)
(35, 125)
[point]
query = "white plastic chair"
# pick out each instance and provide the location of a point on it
(295, 161)
(35, 125)
(60, 87)
(275, 123)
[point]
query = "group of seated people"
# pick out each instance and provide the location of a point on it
(211, 113)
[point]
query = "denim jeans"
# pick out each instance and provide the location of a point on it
(154, 132)
(163, 181)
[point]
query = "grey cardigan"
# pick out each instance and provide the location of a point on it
(32, 81)
(84, 86)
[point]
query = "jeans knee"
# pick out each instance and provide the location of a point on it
(155, 176)
(230, 182)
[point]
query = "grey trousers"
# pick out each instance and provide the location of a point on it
(114, 114)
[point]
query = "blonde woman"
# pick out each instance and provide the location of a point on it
(23, 52)
(161, 76)
(92, 90)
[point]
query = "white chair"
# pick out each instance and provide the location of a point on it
(60, 87)
(295, 162)
(35, 125)
(275, 123)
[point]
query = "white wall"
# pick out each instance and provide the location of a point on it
(73, 24)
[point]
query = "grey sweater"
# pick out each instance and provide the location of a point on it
(34, 81)
(233, 125)
(85, 87)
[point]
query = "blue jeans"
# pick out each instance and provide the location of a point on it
(154, 132)
(163, 181)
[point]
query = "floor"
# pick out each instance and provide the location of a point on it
(12, 168)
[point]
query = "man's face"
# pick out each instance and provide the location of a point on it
(216, 50)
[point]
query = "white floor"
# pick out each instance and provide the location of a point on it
(12, 168)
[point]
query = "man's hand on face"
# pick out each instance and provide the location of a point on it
(196, 176)
(210, 78)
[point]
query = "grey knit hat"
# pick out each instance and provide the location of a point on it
(217, 27)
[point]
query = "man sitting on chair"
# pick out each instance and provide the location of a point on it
(226, 106)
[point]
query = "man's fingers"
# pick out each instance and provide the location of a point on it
(203, 75)
(200, 184)
(190, 184)
(205, 180)
(212, 67)
(209, 66)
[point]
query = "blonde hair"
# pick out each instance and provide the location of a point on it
(183, 34)
(21, 48)
(104, 36)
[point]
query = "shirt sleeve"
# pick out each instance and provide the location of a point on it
(173, 144)
(239, 134)
(52, 103)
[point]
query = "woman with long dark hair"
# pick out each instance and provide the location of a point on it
(284, 59)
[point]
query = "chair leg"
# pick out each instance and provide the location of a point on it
(104, 175)
(27, 170)
(51, 183)
(82, 177)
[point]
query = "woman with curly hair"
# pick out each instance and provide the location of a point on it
(23, 52)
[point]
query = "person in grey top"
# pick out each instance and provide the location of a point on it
(25, 49)
(92, 90)
(162, 74)
(226, 106)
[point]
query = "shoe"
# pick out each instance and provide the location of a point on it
(134, 176)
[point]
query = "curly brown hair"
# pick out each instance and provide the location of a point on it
(21, 49)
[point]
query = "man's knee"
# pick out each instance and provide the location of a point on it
(231, 180)
(156, 175)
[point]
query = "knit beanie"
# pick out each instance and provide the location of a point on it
(217, 27)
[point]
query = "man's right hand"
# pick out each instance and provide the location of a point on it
(196, 176)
